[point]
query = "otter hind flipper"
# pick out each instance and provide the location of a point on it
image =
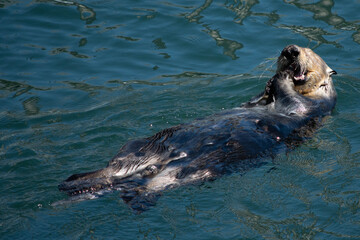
(140, 158)
(85, 182)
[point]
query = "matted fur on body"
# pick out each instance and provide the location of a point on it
(292, 106)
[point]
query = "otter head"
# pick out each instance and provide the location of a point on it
(311, 75)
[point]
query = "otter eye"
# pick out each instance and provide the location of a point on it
(332, 72)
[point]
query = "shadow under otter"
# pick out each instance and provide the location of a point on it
(290, 109)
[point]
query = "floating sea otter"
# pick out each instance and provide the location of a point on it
(292, 106)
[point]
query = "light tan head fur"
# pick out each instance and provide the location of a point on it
(312, 75)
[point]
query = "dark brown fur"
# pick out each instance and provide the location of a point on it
(290, 109)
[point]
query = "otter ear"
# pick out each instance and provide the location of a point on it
(332, 72)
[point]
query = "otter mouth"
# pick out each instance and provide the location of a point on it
(299, 75)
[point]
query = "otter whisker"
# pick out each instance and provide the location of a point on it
(272, 60)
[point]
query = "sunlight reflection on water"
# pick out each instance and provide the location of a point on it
(80, 78)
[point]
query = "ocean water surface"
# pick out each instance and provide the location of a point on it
(78, 79)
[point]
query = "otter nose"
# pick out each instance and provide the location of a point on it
(291, 52)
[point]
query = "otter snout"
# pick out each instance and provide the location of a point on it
(291, 52)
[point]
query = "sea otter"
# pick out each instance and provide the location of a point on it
(291, 107)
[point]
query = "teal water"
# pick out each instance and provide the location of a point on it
(79, 79)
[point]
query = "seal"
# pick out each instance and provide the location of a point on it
(292, 106)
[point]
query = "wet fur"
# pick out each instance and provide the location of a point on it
(235, 140)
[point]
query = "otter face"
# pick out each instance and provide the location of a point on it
(311, 75)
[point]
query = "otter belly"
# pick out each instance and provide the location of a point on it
(196, 152)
